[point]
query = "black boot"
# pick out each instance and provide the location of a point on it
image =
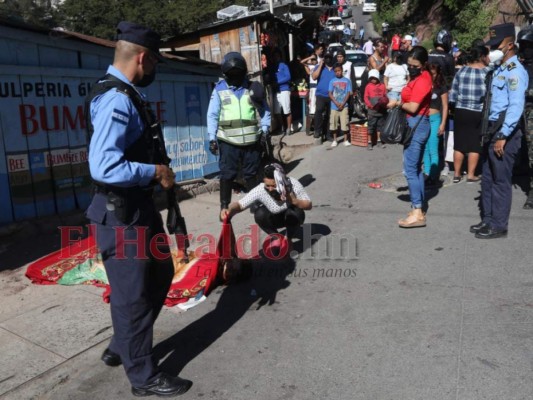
(528, 205)
(225, 193)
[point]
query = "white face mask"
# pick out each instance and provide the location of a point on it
(495, 57)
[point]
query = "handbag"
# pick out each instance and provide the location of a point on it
(394, 127)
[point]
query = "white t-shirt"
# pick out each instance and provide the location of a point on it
(353, 25)
(347, 69)
(397, 75)
(368, 48)
(259, 193)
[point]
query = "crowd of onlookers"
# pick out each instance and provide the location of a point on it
(458, 85)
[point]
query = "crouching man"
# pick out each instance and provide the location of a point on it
(280, 200)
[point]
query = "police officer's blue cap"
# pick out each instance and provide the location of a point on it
(499, 32)
(141, 35)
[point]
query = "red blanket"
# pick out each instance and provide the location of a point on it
(80, 263)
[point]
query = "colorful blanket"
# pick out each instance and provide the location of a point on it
(81, 264)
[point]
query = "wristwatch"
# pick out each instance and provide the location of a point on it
(500, 136)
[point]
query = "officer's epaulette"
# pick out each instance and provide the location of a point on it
(511, 66)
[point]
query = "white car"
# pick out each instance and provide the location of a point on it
(335, 24)
(359, 61)
(334, 47)
(369, 6)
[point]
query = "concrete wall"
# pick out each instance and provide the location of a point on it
(43, 148)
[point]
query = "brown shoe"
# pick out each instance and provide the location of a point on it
(415, 219)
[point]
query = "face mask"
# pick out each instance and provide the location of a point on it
(235, 78)
(495, 57)
(329, 61)
(414, 71)
(146, 80)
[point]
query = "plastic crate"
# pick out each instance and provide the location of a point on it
(359, 135)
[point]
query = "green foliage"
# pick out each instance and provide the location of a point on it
(29, 11)
(473, 22)
(467, 19)
(168, 17)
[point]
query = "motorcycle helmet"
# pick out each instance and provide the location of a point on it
(525, 35)
(233, 60)
(443, 39)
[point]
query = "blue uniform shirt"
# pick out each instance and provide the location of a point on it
(509, 84)
(117, 125)
(213, 112)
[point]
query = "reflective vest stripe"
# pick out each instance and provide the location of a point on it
(237, 123)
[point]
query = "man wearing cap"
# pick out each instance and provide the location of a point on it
(232, 125)
(126, 161)
(504, 134)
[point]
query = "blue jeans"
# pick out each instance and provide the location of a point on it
(431, 153)
(392, 95)
(412, 160)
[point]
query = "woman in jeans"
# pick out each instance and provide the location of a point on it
(415, 101)
(468, 92)
(438, 111)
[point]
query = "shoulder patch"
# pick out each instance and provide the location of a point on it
(120, 116)
(513, 83)
(511, 66)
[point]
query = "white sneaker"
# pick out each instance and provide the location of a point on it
(445, 171)
(347, 143)
(334, 143)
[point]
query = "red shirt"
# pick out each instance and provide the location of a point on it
(374, 92)
(395, 43)
(419, 91)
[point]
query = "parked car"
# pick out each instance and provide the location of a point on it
(359, 61)
(369, 6)
(346, 11)
(335, 23)
(335, 46)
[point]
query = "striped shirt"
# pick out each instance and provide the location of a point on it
(468, 88)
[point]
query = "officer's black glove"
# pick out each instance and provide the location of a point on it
(213, 147)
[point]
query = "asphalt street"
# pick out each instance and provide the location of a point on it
(429, 314)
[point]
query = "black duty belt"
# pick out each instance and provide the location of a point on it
(132, 191)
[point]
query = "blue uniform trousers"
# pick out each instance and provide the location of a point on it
(139, 283)
(232, 156)
(496, 185)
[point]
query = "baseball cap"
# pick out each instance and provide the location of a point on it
(408, 37)
(373, 73)
(138, 34)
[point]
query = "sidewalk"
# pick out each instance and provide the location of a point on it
(428, 314)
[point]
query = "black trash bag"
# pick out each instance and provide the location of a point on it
(395, 127)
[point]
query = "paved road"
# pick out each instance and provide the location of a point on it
(362, 20)
(424, 314)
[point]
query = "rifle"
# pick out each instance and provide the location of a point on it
(485, 134)
(175, 222)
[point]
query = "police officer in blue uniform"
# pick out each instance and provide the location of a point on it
(232, 125)
(504, 135)
(125, 165)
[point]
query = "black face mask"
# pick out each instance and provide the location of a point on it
(527, 54)
(235, 78)
(146, 80)
(329, 61)
(414, 71)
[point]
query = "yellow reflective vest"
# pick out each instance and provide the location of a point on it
(237, 123)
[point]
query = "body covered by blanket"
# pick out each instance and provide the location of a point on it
(81, 263)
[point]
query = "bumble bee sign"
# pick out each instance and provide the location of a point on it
(43, 146)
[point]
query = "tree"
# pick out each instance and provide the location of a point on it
(30, 11)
